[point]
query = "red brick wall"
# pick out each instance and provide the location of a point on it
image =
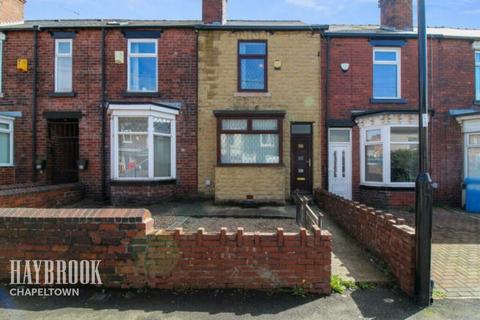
(7, 176)
(177, 82)
(134, 255)
(11, 11)
(386, 236)
(41, 196)
(387, 198)
(397, 14)
(451, 87)
(213, 11)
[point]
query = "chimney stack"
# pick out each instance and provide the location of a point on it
(397, 14)
(11, 11)
(214, 11)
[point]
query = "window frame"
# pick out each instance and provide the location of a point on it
(142, 55)
(11, 132)
(250, 131)
(63, 55)
(468, 145)
(125, 112)
(397, 62)
(477, 80)
(241, 57)
(387, 163)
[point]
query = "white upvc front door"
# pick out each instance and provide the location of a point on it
(340, 162)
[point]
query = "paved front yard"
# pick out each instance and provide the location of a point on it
(455, 252)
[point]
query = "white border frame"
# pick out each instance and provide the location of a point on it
(386, 144)
(397, 62)
(143, 111)
(142, 55)
(350, 146)
(63, 55)
(11, 131)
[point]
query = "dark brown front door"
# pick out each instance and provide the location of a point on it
(302, 162)
(63, 151)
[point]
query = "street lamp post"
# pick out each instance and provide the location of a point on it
(424, 193)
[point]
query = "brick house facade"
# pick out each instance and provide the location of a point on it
(350, 105)
(70, 125)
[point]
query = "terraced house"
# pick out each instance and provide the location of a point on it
(259, 119)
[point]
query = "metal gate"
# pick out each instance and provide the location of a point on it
(63, 151)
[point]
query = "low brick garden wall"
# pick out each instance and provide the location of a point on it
(134, 255)
(386, 236)
(41, 196)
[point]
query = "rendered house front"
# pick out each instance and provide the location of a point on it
(259, 119)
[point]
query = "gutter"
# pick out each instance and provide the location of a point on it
(261, 28)
(34, 101)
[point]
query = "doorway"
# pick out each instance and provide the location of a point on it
(302, 162)
(63, 150)
(340, 162)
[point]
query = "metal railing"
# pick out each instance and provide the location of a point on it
(306, 217)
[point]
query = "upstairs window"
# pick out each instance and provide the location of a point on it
(6, 142)
(142, 65)
(477, 75)
(252, 66)
(386, 74)
(63, 65)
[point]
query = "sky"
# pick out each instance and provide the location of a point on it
(452, 13)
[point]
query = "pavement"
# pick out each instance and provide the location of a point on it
(378, 304)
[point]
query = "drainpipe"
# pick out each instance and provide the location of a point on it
(34, 101)
(103, 119)
(327, 80)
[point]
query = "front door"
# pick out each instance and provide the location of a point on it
(340, 162)
(302, 162)
(63, 151)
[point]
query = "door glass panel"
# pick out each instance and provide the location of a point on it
(474, 139)
(374, 163)
(301, 129)
(343, 164)
(335, 164)
(474, 162)
(339, 135)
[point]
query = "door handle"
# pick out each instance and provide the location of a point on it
(309, 163)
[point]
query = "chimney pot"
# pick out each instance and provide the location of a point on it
(214, 11)
(397, 14)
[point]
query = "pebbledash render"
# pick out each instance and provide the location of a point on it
(240, 111)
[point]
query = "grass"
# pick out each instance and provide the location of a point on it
(439, 294)
(341, 285)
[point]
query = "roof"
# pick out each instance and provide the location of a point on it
(126, 23)
(376, 30)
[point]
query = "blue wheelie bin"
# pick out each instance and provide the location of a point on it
(472, 195)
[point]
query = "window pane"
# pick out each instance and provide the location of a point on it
(64, 74)
(301, 129)
(162, 157)
(339, 136)
(133, 124)
(473, 162)
(4, 148)
(234, 124)
(404, 134)
(264, 125)
(253, 48)
(385, 56)
(4, 126)
(64, 48)
(477, 57)
(142, 47)
(404, 162)
(385, 81)
(474, 139)
(143, 74)
(252, 74)
(374, 163)
(132, 156)
(250, 148)
(161, 126)
(477, 82)
(374, 135)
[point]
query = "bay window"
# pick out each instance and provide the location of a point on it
(250, 141)
(389, 155)
(142, 65)
(386, 73)
(6, 142)
(473, 155)
(143, 145)
(63, 65)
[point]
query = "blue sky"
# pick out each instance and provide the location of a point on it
(456, 13)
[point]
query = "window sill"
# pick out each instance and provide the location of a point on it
(388, 101)
(142, 182)
(141, 94)
(253, 94)
(62, 94)
(2, 166)
(386, 187)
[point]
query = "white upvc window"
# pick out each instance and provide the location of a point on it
(389, 155)
(477, 75)
(387, 73)
(472, 155)
(143, 143)
(6, 142)
(63, 65)
(142, 65)
(2, 38)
